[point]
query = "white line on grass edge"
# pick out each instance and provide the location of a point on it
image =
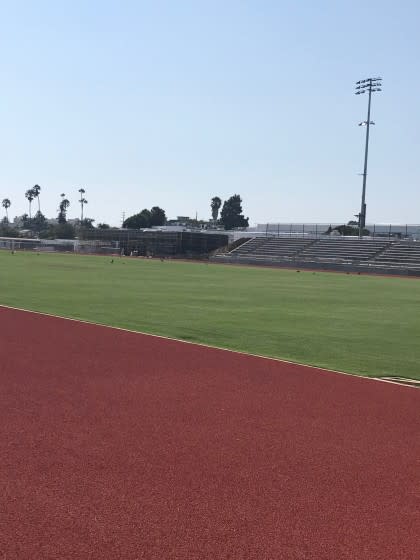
(202, 344)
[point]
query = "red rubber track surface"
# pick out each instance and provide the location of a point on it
(116, 445)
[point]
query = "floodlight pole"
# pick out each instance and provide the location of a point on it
(362, 221)
(370, 85)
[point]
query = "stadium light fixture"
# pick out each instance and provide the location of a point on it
(370, 85)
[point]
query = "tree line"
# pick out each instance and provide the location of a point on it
(40, 225)
(228, 215)
(34, 193)
(231, 215)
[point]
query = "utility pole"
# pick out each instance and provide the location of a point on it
(369, 85)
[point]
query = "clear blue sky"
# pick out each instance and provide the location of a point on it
(172, 102)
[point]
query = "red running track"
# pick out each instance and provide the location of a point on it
(116, 445)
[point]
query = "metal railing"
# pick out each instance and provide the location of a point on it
(317, 230)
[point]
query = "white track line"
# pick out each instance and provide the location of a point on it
(201, 344)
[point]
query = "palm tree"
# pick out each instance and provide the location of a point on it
(30, 196)
(36, 190)
(6, 205)
(82, 202)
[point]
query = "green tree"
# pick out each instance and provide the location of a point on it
(58, 231)
(103, 226)
(87, 223)
(36, 189)
(30, 196)
(64, 231)
(138, 221)
(231, 215)
(63, 207)
(39, 222)
(216, 203)
(157, 216)
(350, 230)
(6, 230)
(26, 221)
(6, 205)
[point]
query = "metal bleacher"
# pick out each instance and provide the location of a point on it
(368, 254)
(344, 250)
(263, 248)
(401, 254)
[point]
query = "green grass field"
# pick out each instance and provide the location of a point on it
(360, 324)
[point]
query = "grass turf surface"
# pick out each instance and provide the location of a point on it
(360, 324)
